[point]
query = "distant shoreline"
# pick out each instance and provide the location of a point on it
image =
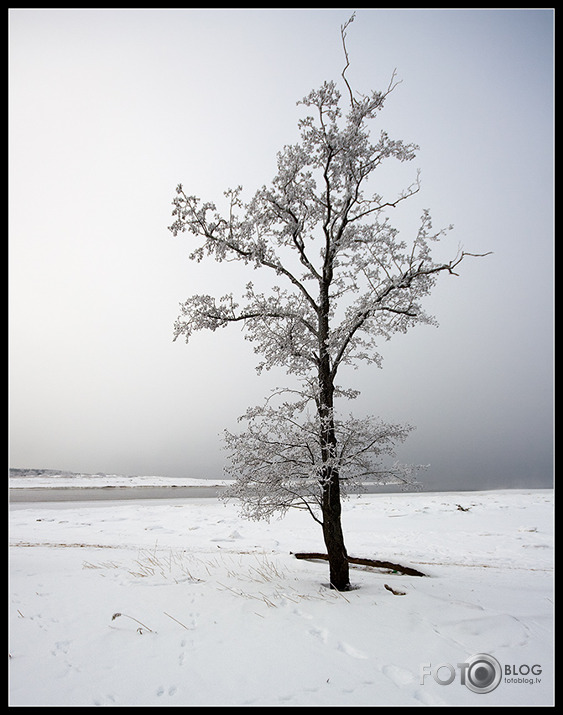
(108, 493)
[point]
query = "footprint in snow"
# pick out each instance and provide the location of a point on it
(399, 676)
(320, 633)
(351, 651)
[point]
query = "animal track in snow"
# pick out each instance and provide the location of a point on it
(60, 647)
(162, 690)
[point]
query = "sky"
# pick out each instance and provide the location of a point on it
(110, 109)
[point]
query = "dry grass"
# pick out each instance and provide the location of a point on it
(254, 576)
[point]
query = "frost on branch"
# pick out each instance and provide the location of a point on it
(277, 461)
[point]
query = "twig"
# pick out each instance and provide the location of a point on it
(117, 615)
(394, 591)
(177, 621)
(333, 587)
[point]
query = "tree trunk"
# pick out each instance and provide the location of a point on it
(333, 536)
(331, 504)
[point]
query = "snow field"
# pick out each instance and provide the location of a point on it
(216, 611)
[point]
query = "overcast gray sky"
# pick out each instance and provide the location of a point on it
(111, 109)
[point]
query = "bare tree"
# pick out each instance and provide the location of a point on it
(341, 282)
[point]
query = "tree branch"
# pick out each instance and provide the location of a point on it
(343, 29)
(392, 286)
(196, 220)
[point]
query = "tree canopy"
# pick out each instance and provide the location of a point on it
(342, 281)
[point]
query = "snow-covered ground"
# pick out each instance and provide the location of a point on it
(53, 479)
(216, 611)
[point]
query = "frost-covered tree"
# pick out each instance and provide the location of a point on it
(342, 281)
